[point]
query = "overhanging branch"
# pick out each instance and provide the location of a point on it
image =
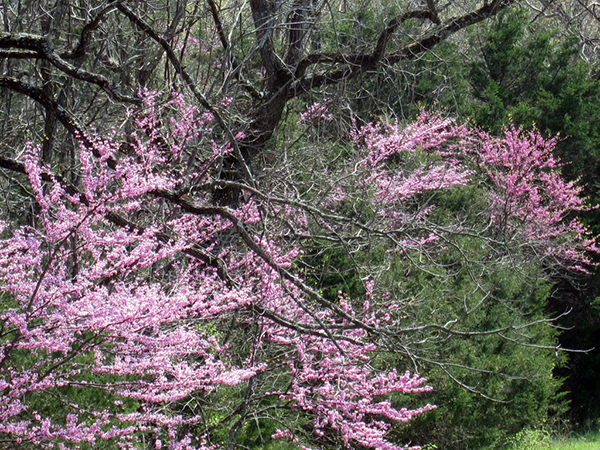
(26, 45)
(37, 94)
(354, 64)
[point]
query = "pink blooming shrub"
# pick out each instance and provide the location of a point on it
(530, 200)
(84, 299)
(133, 293)
(530, 204)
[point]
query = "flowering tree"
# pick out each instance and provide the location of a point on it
(165, 277)
(129, 296)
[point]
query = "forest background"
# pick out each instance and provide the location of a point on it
(236, 224)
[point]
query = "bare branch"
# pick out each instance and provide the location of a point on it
(37, 94)
(358, 63)
(86, 32)
(39, 47)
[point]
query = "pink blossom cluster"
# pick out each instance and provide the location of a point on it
(529, 197)
(529, 202)
(316, 111)
(86, 300)
(397, 189)
(335, 381)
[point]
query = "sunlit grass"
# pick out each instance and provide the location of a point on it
(541, 440)
(587, 442)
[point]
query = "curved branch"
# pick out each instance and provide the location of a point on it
(37, 94)
(449, 27)
(358, 63)
(175, 61)
(84, 75)
(394, 24)
(86, 32)
(219, 25)
(22, 41)
(366, 60)
(24, 45)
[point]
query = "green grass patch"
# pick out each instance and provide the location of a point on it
(540, 440)
(587, 442)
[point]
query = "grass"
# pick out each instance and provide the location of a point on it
(587, 442)
(539, 440)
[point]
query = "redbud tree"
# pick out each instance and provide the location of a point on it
(137, 313)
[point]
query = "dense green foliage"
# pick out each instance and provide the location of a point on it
(522, 72)
(516, 71)
(488, 385)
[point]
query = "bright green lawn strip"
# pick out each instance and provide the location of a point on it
(587, 442)
(540, 440)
